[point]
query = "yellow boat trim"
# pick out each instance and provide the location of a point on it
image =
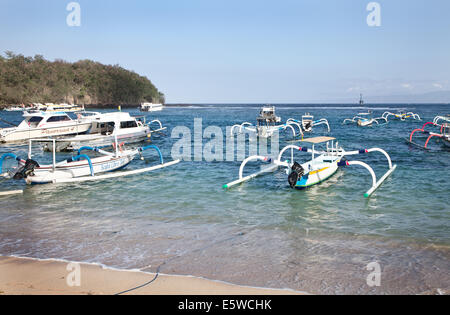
(318, 171)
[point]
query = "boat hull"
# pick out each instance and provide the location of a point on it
(67, 170)
(20, 135)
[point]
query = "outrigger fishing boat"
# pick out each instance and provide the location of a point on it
(267, 124)
(105, 127)
(364, 120)
(401, 115)
(443, 134)
(438, 119)
(80, 168)
(307, 123)
(43, 125)
(318, 169)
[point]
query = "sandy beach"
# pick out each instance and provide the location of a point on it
(23, 276)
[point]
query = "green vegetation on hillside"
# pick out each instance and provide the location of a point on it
(36, 80)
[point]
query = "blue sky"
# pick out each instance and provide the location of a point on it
(223, 51)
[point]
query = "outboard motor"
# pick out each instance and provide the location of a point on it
(308, 126)
(26, 170)
(297, 172)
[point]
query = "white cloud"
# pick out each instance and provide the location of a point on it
(406, 85)
(438, 85)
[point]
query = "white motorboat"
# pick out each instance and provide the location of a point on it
(105, 128)
(267, 124)
(150, 107)
(54, 108)
(43, 125)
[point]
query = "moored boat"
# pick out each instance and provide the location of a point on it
(105, 128)
(43, 125)
(151, 107)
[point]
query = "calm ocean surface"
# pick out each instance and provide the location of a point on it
(261, 233)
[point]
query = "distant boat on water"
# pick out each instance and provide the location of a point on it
(150, 107)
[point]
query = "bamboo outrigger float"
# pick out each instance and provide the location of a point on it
(80, 168)
(318, 169)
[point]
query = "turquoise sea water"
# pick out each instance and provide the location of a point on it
(261, 233)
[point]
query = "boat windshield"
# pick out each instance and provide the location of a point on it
(34, 121)
(58, 118)
(107, 128)
(128, 124)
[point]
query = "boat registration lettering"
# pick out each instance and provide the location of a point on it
(112, 165)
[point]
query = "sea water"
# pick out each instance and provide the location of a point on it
(261, 233)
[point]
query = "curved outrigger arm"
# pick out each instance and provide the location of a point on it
(437, 119)
(431, 134)
(375, 184)
(353, 120)
(381, 118)
(161, 128)
(242, 179)
(246, 125)
(293, 122)
(322, 121)
(284, 127)
(85, 157)
(142, 149)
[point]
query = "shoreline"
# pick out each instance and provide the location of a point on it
(32, 276)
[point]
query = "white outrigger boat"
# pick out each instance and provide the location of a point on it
(105, 128)
(364, 120)
(267, 124)
(151, 107)
(307, 123)
(81, 167)
(439, 118)
(43, 125)
(401, 115)
(318, 169)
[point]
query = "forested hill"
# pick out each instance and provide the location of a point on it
(26, 80)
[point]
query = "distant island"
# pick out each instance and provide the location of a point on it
(26, 80)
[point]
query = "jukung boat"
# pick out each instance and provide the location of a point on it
(364, 120)
(267, 124)
(307, 123)
(107, 126)
(401, 115)
(80, 168)
(43, 125)
(318, 169)
(443, 134)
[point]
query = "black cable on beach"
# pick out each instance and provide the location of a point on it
(143, 285)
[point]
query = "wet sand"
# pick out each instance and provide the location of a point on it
(23, 276)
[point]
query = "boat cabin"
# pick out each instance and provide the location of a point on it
(42, 119)
(109, 123)
(267, 117)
